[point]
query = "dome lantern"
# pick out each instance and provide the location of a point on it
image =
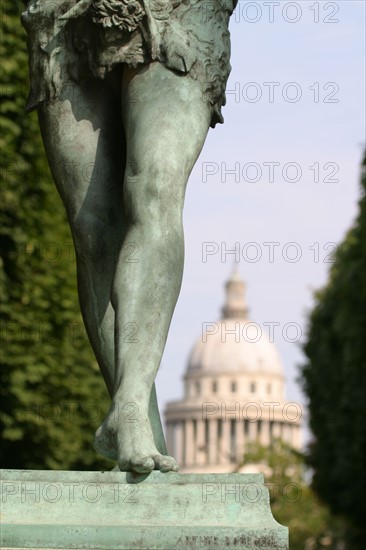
(235, 305)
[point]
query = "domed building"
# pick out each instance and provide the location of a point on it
(234, 393)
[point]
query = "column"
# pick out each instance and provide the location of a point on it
(189, 442)
(284, 432)
(265, 437)
(178, 442)
(169, 438)
(219, 441)
(289, 433)
(240, 439)
(200, 443)
(212, 441)
(276, 432)
(225, 443)
(252, 431)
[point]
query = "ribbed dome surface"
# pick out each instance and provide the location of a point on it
(234, 344)
(221, 352)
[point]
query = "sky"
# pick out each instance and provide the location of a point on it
(284, 169)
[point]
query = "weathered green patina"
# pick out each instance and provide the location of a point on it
(126, 91)
(124, 511)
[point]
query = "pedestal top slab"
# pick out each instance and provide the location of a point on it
(119, 510)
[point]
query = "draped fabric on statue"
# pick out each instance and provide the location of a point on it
(190, 37)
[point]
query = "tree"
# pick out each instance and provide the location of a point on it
(334, 380)
(52, 394)
(293, 502)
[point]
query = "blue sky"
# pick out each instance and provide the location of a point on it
(314, 142)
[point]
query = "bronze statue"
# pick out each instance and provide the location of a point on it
(126, 91)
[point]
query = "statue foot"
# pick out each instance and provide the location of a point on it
(127, 437)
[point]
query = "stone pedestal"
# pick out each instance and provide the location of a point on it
(119, 511)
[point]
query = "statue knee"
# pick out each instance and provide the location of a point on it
(155, 198)
(91, 239)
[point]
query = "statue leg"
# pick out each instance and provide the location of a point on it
(84, 142)
(166, 121)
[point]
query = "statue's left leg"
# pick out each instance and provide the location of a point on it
(166, 120)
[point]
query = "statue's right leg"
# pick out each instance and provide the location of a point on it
(84, 142)
(85, 149)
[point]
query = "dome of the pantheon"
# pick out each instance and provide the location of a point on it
(234, 344)
(234, 392)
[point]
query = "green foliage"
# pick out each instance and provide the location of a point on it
(293, 502)
(52, 394)
(334, 379)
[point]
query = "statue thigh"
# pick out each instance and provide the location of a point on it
(84, 141)
(166, 119)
